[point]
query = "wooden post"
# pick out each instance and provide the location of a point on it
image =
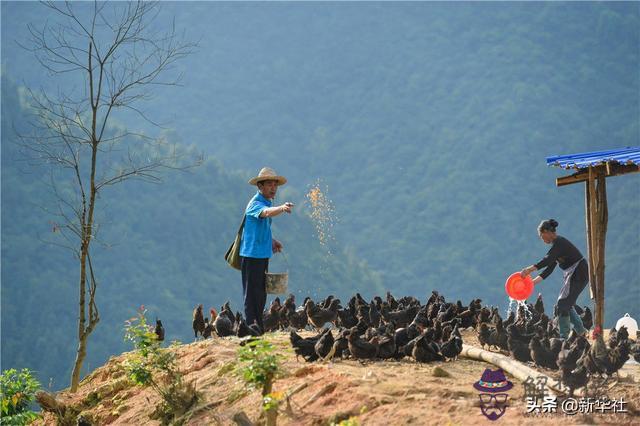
(594, 245)
(602, 217)
(597, 216)
(593, 290)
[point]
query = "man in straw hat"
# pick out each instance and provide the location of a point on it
(258, 244)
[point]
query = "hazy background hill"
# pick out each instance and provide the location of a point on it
(428, 122)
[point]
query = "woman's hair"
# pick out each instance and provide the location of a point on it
(547, 225)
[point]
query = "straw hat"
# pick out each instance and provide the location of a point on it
(268, 174)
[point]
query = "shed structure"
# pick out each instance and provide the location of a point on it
(593, 168)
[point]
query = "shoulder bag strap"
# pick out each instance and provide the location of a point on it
(244, 217)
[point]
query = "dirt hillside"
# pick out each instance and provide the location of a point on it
(376, 393)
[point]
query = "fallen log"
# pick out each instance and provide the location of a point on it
(515, 368)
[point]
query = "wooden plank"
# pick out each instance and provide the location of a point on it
(573, 178)
(610, 169)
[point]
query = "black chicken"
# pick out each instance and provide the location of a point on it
(425, 350)
(346, 318)
(340, 346)
(447, 314)
(433, 298)
(587, 318)
(271, 318)
(374, 315)
(574, 379)
(223, 326)
(495, 316)
(386, 347)
(318, 316)
(452, 347)
(407, 350)
(467, 318)
(616, 336)
(361, 349)
(635, 351)
(539, 305)
(159, 330)
(510, 319)
(362, 315)
(243, 330)
(392, 302)
(572, 351)
(448, 328)
(402, 336)
(543, 322)
(484, 335)
(304, 347)
(324, 344)
(437, 331)
(601, 360)
(540, 355)
(498, 337)
(326, 302)
(421, 319)
(401, 318)
(618, 356)
(518, 344)
(208, 328)
(198, 321)
(483, 315)
(359, 301)
(297, 319)
(226, 310)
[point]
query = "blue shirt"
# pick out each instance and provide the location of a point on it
(256, 237)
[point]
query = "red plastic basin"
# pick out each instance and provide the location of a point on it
(519, 288)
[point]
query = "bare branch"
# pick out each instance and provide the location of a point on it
(118, 60)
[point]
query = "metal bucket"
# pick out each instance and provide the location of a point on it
(276, 283)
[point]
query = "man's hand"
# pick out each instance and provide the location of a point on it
(287, 207)
(276, 246)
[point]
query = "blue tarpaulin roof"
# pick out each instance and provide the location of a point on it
(628, 155)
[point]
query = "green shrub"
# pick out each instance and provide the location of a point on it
(153, 366)
(18, 391)
(260, 364)
(259, 368)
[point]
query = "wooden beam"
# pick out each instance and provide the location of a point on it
(609, 169)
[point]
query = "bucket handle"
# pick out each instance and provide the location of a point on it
(285, 260)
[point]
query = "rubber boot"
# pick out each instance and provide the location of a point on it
(577, 322)
(564, 325)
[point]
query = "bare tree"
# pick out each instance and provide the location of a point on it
(110, 58)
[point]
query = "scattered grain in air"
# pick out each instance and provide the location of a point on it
(322, 213)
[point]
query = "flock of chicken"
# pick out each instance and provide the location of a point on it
(390, 329)
(398, 328)
(528, 335)
(380, 329)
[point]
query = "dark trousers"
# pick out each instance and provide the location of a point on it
(253, 288)
(578, 281)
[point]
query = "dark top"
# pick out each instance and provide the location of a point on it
(562, 252)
